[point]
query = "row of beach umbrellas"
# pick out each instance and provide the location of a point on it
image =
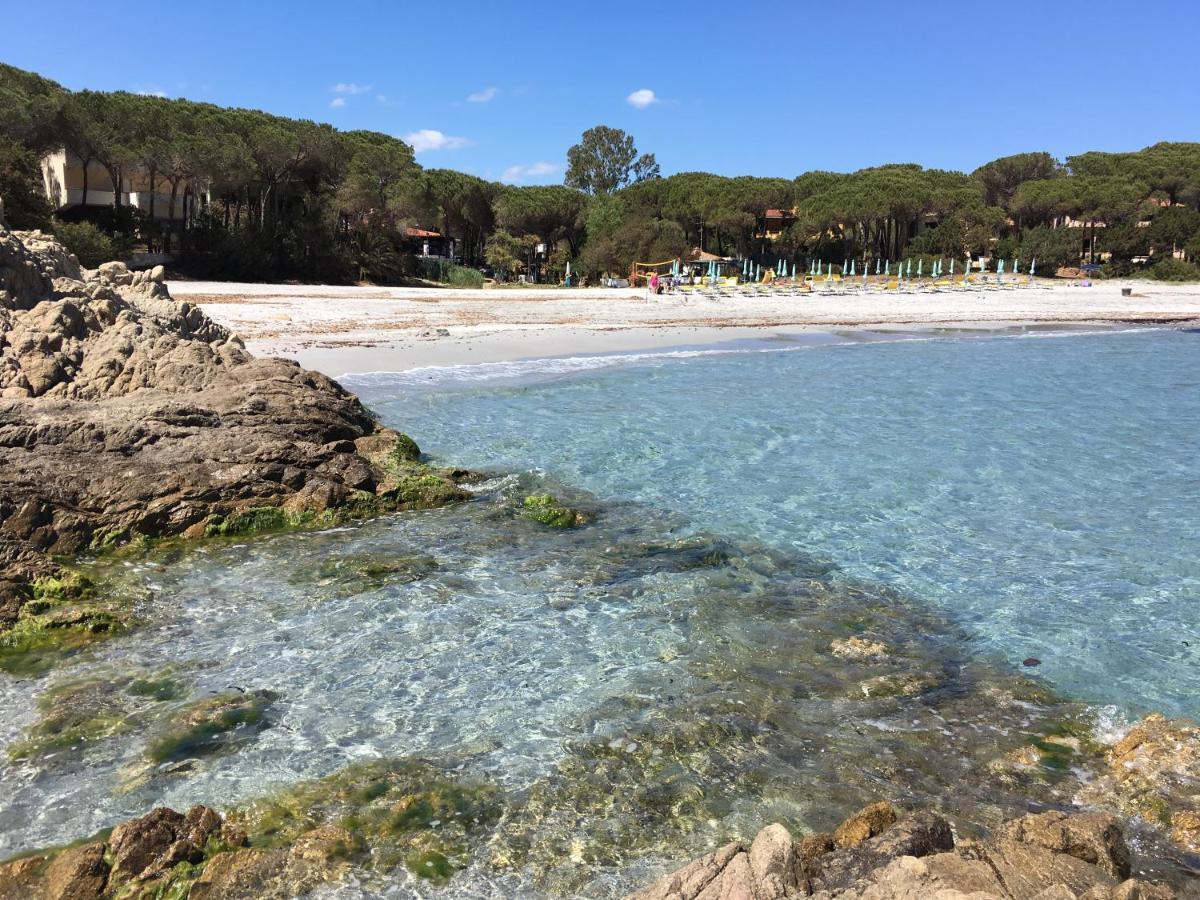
(752, 271)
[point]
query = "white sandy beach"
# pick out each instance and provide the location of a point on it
(339, 329)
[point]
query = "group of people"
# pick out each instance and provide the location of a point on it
(661, 284)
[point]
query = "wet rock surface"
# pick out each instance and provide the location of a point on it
(1048, 856)
(126, 415)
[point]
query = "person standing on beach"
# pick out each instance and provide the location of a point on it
(653, 284)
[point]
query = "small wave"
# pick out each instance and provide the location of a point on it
(544, 368)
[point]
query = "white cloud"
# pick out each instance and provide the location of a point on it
(382, 98)
(485, 96)
(337, 102)
(152, 93)
(642, 98)
(349, 87)
(513, 174)
(431, 139)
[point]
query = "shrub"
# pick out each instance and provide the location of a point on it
(463, 276)
(87, 242)
(1171, 269)
(449, 273)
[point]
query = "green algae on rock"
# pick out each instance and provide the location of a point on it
(546, 510)
(64, 614)
(403, 812)
(211, 725)
(81, 711)
(354, 573)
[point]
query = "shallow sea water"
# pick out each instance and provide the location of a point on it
(648, 686)
(1038, 488)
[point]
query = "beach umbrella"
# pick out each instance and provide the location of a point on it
(952, 265)
(910, 267)
(877, 262)
(887, 268)
(864, 275)
(829, 273)
(920, 262)
(1000, 267)
(1016, 265)
(851, 268)
(1033, 266)
(758, 273)
(568, 268)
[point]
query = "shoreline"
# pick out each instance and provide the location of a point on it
(548, 343)
(352, 330)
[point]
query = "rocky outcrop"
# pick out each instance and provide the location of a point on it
(125, 414)
(878, 855)
(1153, 772)
(170, 854)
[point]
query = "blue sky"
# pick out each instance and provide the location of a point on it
(502, 90)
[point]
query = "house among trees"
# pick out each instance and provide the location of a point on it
(73, 187)
(426, 244)
(773, 222)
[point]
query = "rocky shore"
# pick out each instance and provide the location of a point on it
(126, 416)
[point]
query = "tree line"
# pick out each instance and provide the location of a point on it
(293, 198)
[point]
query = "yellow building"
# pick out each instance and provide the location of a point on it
(63, 177)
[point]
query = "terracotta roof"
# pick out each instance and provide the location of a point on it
(420, 232)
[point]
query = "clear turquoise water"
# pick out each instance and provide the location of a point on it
(656, 683)
(1041, 490)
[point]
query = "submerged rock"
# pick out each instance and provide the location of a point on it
(546, 510)
(212, 725)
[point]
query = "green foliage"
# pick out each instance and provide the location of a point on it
(450, 273)
(296, 199)
(25, 203)
(1171, 269)
(1053, 248)
(87, 242)
(606, 160)
(1002, 177)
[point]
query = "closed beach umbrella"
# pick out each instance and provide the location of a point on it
(1033, 266)
(1000, 267)
(1016, 265)
(887, 268)
(877, 262)
(920, 262)
(851, 268)
(952, 265)
(758, 273)
(910, 267)
(568, 268)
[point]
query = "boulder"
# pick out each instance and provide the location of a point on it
(1052, 856)
(125, 414)
(865, 823)
(144, 848)
(1094, 838)
(79, 873)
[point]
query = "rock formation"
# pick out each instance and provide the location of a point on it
(126, 415)
(877, 855)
